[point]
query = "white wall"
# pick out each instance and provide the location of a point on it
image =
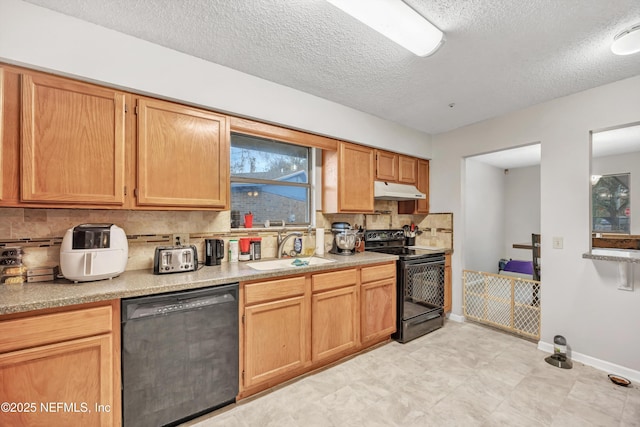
(521, 210)
(484, 216)
(500, 210)
(580, 299)
(623, 163)
(39, 38)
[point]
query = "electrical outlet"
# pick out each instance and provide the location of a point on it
(434, 231)
(557, 243)
(180, 239)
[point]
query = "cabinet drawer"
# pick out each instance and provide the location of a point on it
(378, 272)
(273, 290)
(43, 329)
(335, 279)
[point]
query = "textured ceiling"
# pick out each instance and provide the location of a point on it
(500, 55)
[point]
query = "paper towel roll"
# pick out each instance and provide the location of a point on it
(319, 241)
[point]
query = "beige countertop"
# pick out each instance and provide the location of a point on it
(62, 292)
(613, 254)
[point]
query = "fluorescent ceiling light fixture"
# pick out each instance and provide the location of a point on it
(627, 42)
(397, 21)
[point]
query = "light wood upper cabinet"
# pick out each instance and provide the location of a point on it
(407, 169)
(73, 142)
(393, 167)
(183, 156)
(72, 357)
(9, 136)
(386, 166)
(348, 176)
(422, 183)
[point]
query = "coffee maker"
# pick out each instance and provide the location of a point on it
(344, 239)
(214, 251)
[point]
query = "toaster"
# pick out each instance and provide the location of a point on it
(93, 252)
(175, 259)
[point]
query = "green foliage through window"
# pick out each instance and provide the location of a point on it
(610, 201)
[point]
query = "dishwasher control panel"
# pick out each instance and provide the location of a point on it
(175, 259)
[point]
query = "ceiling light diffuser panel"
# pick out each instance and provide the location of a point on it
(627, 42)
(397, 21)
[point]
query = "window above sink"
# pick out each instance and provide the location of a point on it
(271, 179)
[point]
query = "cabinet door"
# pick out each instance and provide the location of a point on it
(275, 339)
(356, 176)
(72, 142)
(378, 309)
(407, 169)
(422, 183)
(334, 322)
(386, 166)
(77, 374)
(183, 156)
(447, 283)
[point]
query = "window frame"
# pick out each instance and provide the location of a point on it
(309, 185)
(597, 179)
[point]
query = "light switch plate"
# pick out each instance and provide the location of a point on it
(557, 243)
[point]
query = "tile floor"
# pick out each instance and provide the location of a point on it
(461, 375)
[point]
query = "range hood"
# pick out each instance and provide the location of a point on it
(393, 191)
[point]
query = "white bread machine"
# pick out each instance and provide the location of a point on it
(93, 252)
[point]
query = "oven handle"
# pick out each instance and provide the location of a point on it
(423, 319)
(430, 261)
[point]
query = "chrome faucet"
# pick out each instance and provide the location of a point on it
(282, 240)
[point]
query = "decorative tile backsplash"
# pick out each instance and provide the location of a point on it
(436, 228)
(40, 231)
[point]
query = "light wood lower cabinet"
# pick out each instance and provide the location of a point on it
(334, 314)
(276, 316)
(294, 325)
(378, 302)
(61, 368)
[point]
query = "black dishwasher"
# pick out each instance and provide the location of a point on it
(179, 355)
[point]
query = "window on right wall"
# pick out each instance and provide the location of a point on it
(610, 203)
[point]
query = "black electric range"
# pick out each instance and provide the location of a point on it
(419, 283)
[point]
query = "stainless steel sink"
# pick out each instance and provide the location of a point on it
(277, 264)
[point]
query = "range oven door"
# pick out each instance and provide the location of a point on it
(420, 297)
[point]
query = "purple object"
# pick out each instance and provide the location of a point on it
(515, 266)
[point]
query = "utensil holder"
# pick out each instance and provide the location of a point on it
(410, 241)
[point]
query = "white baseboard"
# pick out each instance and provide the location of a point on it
(602, 365)
(455, 317)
